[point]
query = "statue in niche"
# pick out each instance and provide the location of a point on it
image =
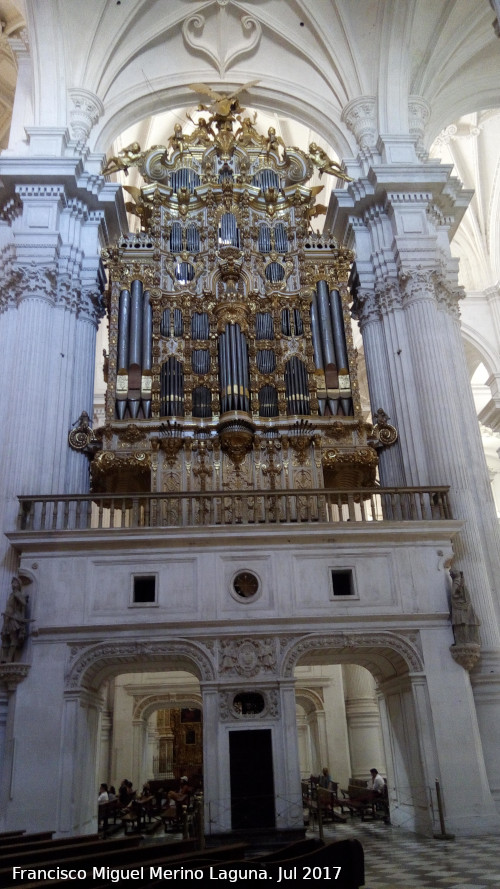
(464, 620)
(15, 622)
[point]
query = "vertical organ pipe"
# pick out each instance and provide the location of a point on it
(222, 371)
(135, 339)
(234, 366)
(338, 331)
(340, 346)
(123, 330)
(316, 337)
(325, 322)
(147, 333)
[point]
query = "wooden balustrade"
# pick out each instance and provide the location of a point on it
(221, 508)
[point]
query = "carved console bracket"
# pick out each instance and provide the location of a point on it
(466, 654)
(12, 674)
(383, 435)
(82, 437)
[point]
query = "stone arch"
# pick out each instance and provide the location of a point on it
(386, 655)
(146, 706)
(482, 347)
(144, 105)
(89, 665)
(309, 700)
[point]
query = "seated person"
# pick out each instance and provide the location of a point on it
(325, 779)
(103, 794)
(181, 795)
(376, 783)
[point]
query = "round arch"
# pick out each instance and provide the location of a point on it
(146, 706)
(478, 342)
(283, 100)
(386, 655)
(90, 665)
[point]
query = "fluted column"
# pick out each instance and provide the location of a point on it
(391, 381)
(447, 407)
(399, 220)
(50, 305)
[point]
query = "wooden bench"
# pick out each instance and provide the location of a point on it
(359, 800)
(169, 855)
(39, 844)
(344, 860)
(22, 837)
(8, 834)
(64, 853)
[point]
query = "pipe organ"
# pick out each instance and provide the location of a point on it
(231, 362)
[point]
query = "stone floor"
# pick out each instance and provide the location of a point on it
(395, 859)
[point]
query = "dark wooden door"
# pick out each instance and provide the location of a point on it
(252, 779)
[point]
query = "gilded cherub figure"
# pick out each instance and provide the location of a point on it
(321, 160)
(223, 104)
(127, 157)
(273, 142)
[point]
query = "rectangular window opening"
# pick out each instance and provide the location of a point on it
(144, 589)
(342, 582)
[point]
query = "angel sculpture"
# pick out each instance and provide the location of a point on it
(273, 142)
(178, 140)
(137, 206)
(317, 210)
(223, 105)
(203, 133)
(246, 134)
(127, 157)
(321, 160)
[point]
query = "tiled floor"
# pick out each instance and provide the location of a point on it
(397, 860)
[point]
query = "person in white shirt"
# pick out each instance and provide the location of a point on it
(103, 794)
(377, 783)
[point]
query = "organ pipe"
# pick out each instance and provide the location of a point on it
(296, 387)
(147, 334)
(338, 331)
(135, 336)
(325, 324)
(264, 327)
(123, 330)
(233, 370)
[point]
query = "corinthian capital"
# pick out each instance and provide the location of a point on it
(418, 116)
(360, 116)
(86, 111)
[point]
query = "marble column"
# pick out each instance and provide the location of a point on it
(363, 722)
(399, 219)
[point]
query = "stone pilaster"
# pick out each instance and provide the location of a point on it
(54, 219)
(399, 221)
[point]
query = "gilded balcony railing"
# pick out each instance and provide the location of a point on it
(221, 508)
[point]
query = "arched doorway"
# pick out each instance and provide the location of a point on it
(400, 737)
(129, 677)
(151, 728)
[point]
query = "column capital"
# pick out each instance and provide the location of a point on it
(360, 116)
(86, 110)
